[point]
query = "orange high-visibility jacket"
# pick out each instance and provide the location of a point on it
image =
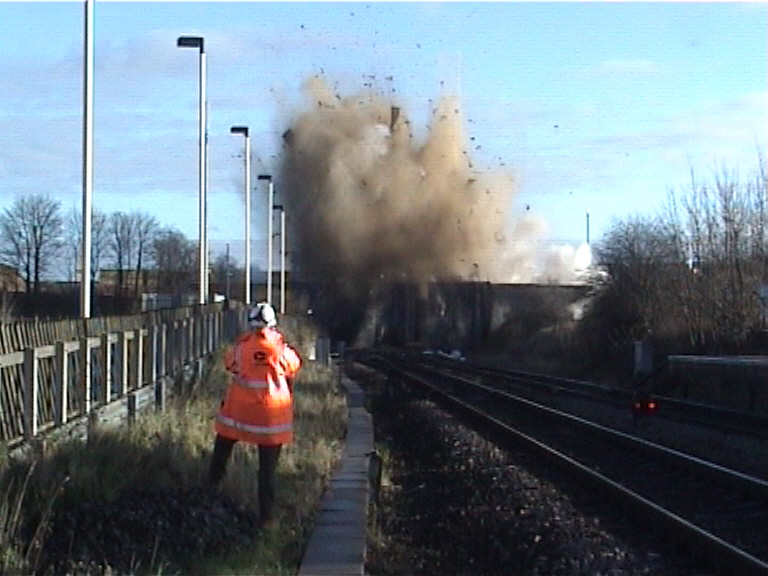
(258, 406)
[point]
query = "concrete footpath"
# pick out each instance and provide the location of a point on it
(338, 541)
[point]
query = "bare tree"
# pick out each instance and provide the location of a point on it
(734, 271)
(146, 227)
(695, 270)
(31, 233)
(721, 230)
(639, 257)
(122, 232)
(175, 259)
(74, 240)
(691, 222)
(228, 276)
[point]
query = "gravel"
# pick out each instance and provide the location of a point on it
(453, 503)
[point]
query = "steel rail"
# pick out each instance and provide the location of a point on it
(747, 423)
(749, 484)
(725, 556)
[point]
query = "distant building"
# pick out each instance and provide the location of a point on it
(10, 280)
(151, 301)
(110, 277)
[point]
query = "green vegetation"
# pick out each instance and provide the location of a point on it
(165, 453)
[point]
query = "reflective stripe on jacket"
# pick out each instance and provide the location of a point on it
(258, 406)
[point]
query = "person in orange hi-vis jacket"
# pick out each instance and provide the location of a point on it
(258, 406)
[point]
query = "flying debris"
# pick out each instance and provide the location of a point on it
(368, 201)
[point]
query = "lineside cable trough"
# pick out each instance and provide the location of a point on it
(338, 542)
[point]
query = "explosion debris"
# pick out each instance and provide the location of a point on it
(372, 206)
(368, 203)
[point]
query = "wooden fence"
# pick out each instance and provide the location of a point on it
(60, 375)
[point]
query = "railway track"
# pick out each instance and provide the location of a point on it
(719, 513)
(714, 417)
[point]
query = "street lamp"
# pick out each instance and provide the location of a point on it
(227, 273)
(244, 131)
(268, 178)
(85, 280)
(197, 42)
(282, 257)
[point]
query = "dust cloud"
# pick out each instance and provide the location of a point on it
(368, 203)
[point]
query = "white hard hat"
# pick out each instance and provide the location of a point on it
(262, 315)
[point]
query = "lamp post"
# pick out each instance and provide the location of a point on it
(226, 272)
(268, 178)
(85, 279)
(197, 42)
(282, 257)
(244, 131)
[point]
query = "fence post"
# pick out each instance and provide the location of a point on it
(183, 334)
(182, 341)
(190, 338)
(106, 369)
(138, 360)
(197, 344)
(210, 327)
(162, 367)
(193, 338)
(174, 346)
(61, 387)
(200, 320)
(131, 407)
(216, 329)
(30, 393)
(85, 373)
(156, 377)
(153, 350)
(171, 345)
(122, 344)
(209, 330)
(196, 337)
(206, 333)
(205, 326)
(200, 328)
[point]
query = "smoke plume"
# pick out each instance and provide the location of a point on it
(368, 203)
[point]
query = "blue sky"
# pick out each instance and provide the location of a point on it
(599, 107)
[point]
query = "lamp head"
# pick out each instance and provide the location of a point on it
(190, 42)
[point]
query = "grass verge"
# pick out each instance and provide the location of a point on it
(168, 452)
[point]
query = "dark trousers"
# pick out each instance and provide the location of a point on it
(268, 457)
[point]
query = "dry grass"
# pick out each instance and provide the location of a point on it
(173, 449)
(303, 472)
